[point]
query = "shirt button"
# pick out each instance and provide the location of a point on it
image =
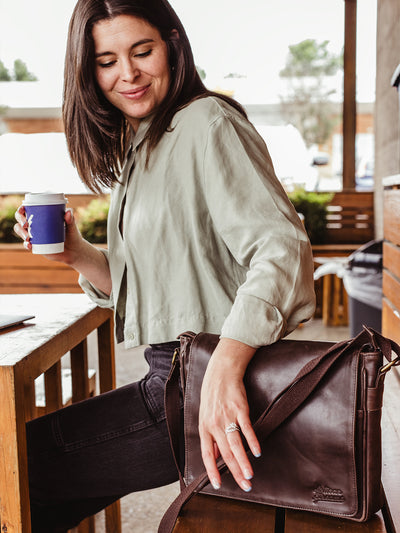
(131, 336)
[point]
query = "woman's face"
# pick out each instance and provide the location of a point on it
(132, 67)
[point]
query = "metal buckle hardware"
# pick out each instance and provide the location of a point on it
(176, 354)
(389, 365)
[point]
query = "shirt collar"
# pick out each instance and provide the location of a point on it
(136, 139)
(141, 132)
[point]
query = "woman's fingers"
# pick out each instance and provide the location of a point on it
(224, 421)
(208, 447)
(237, 461)
(249, 435)
(228, 454)
(228, 440)
(21, 227)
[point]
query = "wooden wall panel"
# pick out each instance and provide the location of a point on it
(391, 289)
(391, 216)
(390, 322)
(391, 258)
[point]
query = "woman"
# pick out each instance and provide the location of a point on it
(201, 236)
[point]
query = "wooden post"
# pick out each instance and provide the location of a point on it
(53, 387)
(79, 369)
(14, 489)
(349, 95)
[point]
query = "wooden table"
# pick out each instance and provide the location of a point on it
(61, 325)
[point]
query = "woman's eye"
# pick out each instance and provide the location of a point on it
(106, 65)
(144, 54)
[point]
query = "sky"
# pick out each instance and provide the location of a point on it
(246, 37)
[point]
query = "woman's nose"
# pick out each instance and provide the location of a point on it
(129, 71)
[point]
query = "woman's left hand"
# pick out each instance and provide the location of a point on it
(224, 403)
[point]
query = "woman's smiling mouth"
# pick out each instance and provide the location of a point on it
(135, 94)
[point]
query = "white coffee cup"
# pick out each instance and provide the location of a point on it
(45, 214)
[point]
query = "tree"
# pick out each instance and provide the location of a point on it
(4, 73)
(308, 105)
(21, 72)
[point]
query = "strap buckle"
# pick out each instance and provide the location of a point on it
(389, 365)
(175, 356)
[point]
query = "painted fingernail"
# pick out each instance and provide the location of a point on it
(246, 486)
(215, 484)
(256, 452)
(248, 474)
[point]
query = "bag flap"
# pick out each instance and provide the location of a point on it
(308, 462)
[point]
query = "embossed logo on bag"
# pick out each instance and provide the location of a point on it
(326, 494)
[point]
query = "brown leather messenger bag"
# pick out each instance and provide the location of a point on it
(316, 410)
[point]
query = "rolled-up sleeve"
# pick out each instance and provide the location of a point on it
(98, 297)
(257, 222)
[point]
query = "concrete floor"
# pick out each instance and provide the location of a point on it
(141, 512)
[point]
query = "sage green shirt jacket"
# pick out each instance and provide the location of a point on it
(204, 238)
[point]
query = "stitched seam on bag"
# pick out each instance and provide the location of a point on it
(284, 504)
(187, 473)
(354, 491)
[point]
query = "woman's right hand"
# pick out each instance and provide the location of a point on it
(78, 253)
(73, 238)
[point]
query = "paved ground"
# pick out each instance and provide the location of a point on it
(141, 512)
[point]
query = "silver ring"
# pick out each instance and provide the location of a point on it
(232, 428)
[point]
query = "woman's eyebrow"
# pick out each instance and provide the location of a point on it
(138, 43)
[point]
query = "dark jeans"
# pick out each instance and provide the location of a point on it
(85, 456)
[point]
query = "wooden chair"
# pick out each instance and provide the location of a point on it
(350, 218)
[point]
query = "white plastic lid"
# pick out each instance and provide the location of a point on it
(45, 198)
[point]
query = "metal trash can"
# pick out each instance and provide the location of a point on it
(363, 283)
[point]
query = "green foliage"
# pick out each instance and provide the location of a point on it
(4, 73)
(313, 206)
(308, 104)
(21, 72)
(309, 58)
(92, 220)
(8, 206)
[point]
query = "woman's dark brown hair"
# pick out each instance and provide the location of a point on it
(97, 132)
